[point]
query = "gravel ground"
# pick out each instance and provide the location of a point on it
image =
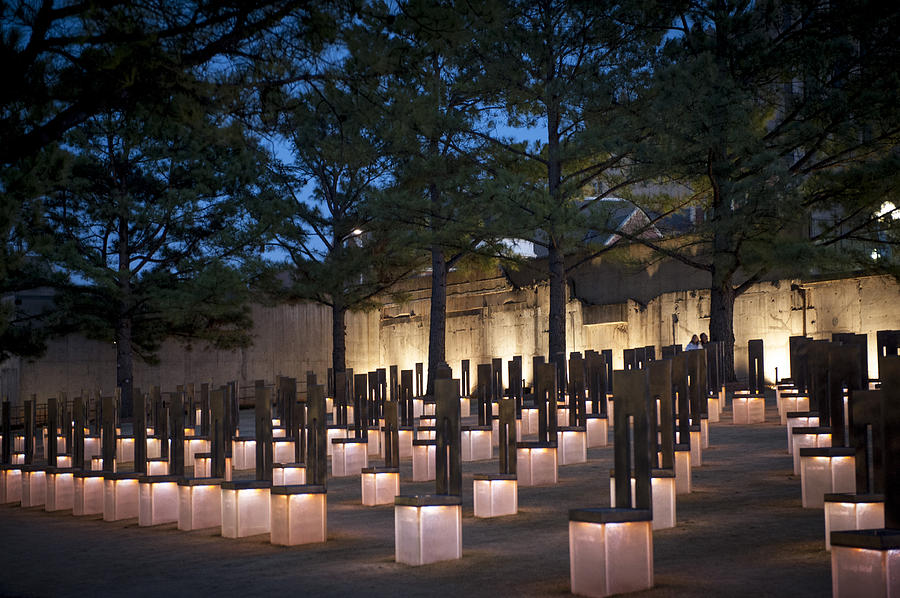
(741, 532)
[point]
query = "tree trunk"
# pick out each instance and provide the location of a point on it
(557, 329)
(721, 318)
(437, 320)
(556, 256)
(124, 350)
(124, 364)
(338, 337)
(722, 292)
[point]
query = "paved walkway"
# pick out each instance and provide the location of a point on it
(741, 532)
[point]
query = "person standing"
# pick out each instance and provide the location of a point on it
(694, 344)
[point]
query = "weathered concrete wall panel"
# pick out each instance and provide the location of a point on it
(487, 318)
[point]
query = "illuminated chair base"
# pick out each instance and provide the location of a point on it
(60, 444)
(495, 495)
(18, 458)
(246, 508)
(278, 431)
(610, 551)
(529, 421)
(597, 431)
(375, 439)
(785, 401)
(784, 387)
(88, 493)
(696, 446)
(562, 417)
(154, 447)
(288, 474)
(158, 500)
(92, 448)
(299, 515)
(683, 478)
(465, 407)
(120, 496)
(826, 471)
(334, 433)
(804, 419)
(610, 409)
(748, 410)
(64, 461)
(427, 529)
(405, 438)
(34, 486)
(199, 503)
(476, 443)
(845, 512)
(572, 446)
(662, 494)
(283, 450)
(243, 453)
(125, 449)
(793, 404)
(10, 484)
(423, 465)
(418, 408)
(349, 456)
(202, 465)
(60, 489)
(804, 438)
(865, 563)
(424, 433)
(536, 463)
(380, 485)
(198, 444)
(704, 432)
(713, 409)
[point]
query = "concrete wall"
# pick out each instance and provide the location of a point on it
(486, 318)
(288, 340)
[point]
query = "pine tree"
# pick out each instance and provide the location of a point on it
(444, 192)
(67, 63)
(338, 252)
(574, 72)
(769, 113)
(150, 219)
